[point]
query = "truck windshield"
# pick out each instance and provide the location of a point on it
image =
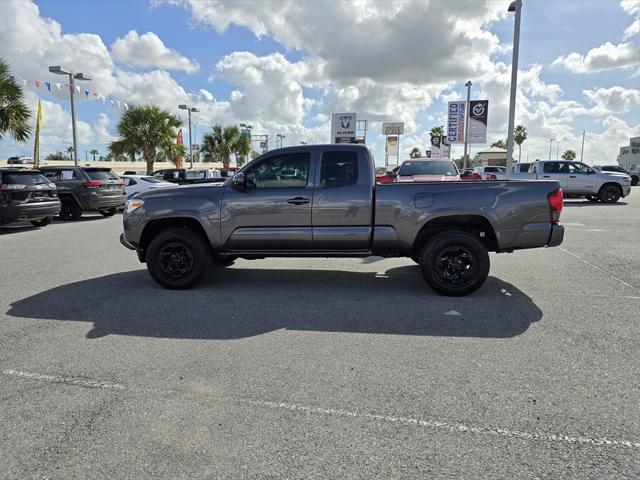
(423, 167)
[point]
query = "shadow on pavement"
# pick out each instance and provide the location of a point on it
(242, 302)
(587, 203)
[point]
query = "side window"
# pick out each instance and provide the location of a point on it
(52, 175)
(284, 171)
(551, 167)
(579, 168)
(338, 169)
(129, 182)
(68, 175)
(159, 175)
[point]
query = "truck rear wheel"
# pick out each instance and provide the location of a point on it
(177, 258)
(454, 263)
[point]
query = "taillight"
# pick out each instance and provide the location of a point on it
(491, 176)
(92, 184)
(121, 182)
(556, 202)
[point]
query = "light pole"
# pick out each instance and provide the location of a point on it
(247, 131)
(466, 122)
(582, 149)
(281, 137)
(550, 145)
(58, 70)
(514, 7)
(558, 148)
(189, 109)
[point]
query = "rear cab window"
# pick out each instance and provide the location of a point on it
(338, 169)
(28, 179)
(98, 175)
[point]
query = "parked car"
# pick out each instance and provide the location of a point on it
(427, 170)
(27, 196)
(635, 176)
(229, 172)
(141, 183)
(337, 210)
(20, 161)
(470, 176)
(578, 180)
(187, 176)
(388, 177)
(84, 189)
(486, 171)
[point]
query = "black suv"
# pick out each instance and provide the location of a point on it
(635, 176)
(86, 189)
(27, 196)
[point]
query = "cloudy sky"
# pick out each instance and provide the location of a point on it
(285, 65)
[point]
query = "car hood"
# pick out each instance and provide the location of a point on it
(427, 178)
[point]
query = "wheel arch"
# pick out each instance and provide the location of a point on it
(477, 225)
(154, 227)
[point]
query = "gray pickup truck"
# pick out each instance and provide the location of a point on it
(322, 201)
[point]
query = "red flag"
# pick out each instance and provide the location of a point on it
(180, 142)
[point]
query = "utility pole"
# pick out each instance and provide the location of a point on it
(189, 109)
(467, 110)
(582, 149)
(550, 145)
(514, 7)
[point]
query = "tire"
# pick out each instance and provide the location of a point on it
(69, 209)
(223, 260)
(609, 193)
(592, 198)
(177, 258)
(43, 222)
(109, 212)
(454, 263)
(634, 180)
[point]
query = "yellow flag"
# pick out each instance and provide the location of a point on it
(36, 148)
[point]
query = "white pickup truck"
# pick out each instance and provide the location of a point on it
(577, 179)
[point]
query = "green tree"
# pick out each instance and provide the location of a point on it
(500, 144)
(243, 146)
(415, 153)
(14, 114)
(569, 155)
(70, 152)
(55, 156)
(222, 142)
(519, 136)
(93, 152)
(149, 131)
(436, 131)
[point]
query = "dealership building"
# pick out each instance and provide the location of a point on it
(629, 156)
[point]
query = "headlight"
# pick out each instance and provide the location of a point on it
(133, 204)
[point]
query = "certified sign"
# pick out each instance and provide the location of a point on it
(343, 128)
(455, 122)
(478, 112)
(393, 128)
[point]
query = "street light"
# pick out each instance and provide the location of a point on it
(558, 148)
(551, 140)
(466, 122)
(517, 8)
(281, 137)
(246, 130)
(58, 70)
(189, 109)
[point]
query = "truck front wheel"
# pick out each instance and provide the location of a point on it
(609, 193)
(177, 258)
(454, 263)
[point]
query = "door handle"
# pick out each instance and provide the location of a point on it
(572, 176)
(298, 200)
(546, 176)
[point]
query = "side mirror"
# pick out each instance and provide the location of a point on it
(392, 174)
(238, 181)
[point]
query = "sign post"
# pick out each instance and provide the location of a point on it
(392, 132)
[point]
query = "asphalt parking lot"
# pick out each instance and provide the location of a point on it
(321, 368)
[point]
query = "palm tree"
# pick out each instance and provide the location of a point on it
(70, 151)
(14, 114)
(147, 130)
(436, 131)
(93, 152)
(415, 153)
(569, 155)
(500, 144)
(519, 136)
(221, 143)
(243, 146)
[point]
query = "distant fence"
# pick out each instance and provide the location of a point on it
(119, 167)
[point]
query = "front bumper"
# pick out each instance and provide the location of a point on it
(557, 235)
(124, 242)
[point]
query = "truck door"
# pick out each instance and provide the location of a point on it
(555, 171)
(273, 212)
(343, 201)
(582, 179)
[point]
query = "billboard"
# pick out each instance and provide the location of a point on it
(392, 145)
(455, 122)
(343, 128)
(440, 147)
(393, 128)
(478, 112)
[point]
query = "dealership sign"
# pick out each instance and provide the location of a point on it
(393, 128)
(343, 128)
(455, 122)
(478, 112)
(393, 145)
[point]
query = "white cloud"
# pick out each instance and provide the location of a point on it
(632, 30)
(605, 57)
(148, 51)
(632, 7)
(612, 100)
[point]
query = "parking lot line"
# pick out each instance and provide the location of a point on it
(598, 268)
(451, 427)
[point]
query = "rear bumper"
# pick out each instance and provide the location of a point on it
(29, 211)
(557, 235)
(100, 202)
